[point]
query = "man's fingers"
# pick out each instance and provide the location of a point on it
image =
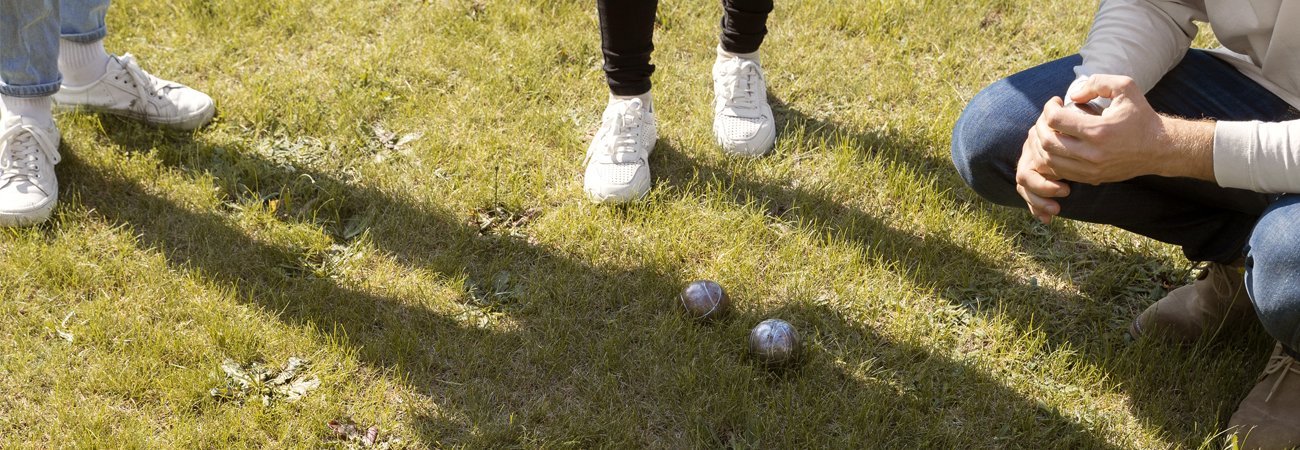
(1056, 145)
(1039, 185)
(1070, 121)
(1043, 209)
(1076, 170)
(1034, 159)
(1106, 86)
(1060, 147)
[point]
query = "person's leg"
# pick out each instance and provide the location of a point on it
(29, 142)
(82, 58)
(743, 123)
(1210, 223)
(618, 166)
(29, 49)
(1268, 416)
(97, 81)
(744, 25)
(627, 39)
(1273, 271)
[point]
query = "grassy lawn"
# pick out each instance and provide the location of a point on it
(336, 212)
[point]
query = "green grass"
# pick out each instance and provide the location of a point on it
(290, 227)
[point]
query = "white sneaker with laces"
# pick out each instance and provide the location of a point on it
(28, 188)
(742, 119)
(127, 90)
(618, 160)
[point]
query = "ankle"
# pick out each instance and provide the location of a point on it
(82, 63)
(646, 99)
(40, 109)
(723, 53)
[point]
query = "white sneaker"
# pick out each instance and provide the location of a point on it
(618, 160)
(28, 189)
(127, 90)
(742, 119)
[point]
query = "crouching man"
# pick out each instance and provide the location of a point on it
(1196, 148)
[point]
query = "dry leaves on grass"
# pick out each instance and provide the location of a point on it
(355, 436)
(390, 143)
(499, 220)
(258, 382)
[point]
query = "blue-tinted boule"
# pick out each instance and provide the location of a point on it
(774, 342)
(705, 300)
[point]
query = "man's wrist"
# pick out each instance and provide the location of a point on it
(1188, 148)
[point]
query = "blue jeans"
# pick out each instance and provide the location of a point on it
(1209, 222)
(29, 41)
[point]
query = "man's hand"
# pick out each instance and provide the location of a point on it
(1035, 181)
(1129, 139)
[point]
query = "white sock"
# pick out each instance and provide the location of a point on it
(646, 99)
(752, 56)
(82, 63)
(39, 108)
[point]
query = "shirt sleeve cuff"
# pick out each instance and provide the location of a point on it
(1234, 143)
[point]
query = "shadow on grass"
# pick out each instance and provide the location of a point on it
(917, 398)
(900, 149)
(1148, 372)
(596, 356)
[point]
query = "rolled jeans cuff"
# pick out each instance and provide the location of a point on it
(97, 34)
(31, 90)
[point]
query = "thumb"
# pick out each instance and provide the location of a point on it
(1096, 87)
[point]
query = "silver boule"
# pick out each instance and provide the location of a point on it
(705, 300)
(774, 342)
(1091, 108)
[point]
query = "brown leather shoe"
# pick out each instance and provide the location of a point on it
(1269, 417)
(1216, 301)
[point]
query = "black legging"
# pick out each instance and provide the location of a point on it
(627, 32)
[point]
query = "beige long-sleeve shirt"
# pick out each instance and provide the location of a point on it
(1144, 39)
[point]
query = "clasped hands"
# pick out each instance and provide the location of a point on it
(1128, 139)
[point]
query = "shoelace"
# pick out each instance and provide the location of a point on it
(1280, 362)
(627, 127)
(146, 85)
(738, 87)
(19, 147)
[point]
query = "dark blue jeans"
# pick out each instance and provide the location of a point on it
(1209, 222)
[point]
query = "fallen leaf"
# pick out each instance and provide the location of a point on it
(257, 382)
(352, 436)
(66, 335)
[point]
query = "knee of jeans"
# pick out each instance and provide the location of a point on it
(1273, 273)
(986, 145)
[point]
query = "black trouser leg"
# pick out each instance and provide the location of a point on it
(627, 39)
(744, 24)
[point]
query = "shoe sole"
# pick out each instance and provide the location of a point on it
(192, 122)
(35, 216)
(1134, 330)
(642, 190)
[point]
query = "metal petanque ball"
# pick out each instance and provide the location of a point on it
(1089, 108)
(705, 300)
(774, 342)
